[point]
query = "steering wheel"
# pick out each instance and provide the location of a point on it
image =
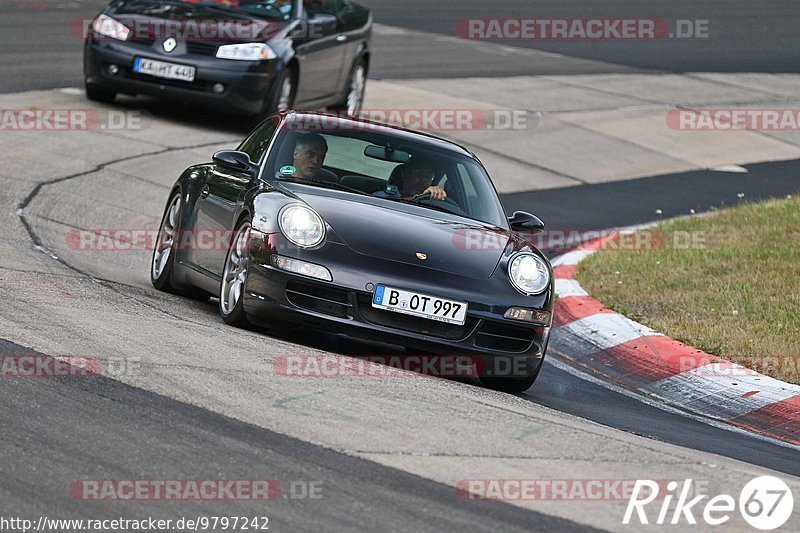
(427, 197)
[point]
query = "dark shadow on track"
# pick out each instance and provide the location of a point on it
(72, 428)
(186, 115)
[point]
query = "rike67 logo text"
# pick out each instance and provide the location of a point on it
(765, 503)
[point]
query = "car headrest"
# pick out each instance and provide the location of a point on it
(397, 175)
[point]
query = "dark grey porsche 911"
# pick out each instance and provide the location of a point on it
(244, 56)
(359, 228)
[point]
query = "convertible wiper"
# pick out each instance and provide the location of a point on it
(325, 184)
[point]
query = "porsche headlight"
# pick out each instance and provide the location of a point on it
(301, 225)
(529, 273)
(246, 52)
(109, 27)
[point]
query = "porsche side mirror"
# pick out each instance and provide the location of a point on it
(521, 220)
(235, 161)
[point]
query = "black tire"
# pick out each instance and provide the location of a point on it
(98, 94)
(509, 384)
(161, 273)
(344, 105)
(274, 103)
(233, 313)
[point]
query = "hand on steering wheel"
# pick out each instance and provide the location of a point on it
(434, 192)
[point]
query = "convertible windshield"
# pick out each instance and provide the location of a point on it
(387, 166)
(273, 9)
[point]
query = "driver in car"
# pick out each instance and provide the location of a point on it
(308, 156)
(415, 179)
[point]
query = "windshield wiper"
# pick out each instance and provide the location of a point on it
(325, 184)
(429, 206)
(238, 10)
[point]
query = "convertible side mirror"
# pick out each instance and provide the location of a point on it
(235, 161)
(322, 24)
(521, 220)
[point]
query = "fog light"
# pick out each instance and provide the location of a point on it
(218, 88)
(302, 267)
(528, 315)
(113, 70)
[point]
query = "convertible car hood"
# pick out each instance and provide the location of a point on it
(385, 232)
(186, 13)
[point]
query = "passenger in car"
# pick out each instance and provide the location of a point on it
(308, 156)
(413, 179)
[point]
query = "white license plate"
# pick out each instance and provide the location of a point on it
(160, 69)
(423, 305)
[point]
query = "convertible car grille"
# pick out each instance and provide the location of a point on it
(325, 300)
(412, 323)
(504, 337)
(202, 48)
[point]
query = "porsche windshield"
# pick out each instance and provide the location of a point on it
(380, 165)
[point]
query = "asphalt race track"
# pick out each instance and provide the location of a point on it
(742, 36)
(205, 402)
(152, 434)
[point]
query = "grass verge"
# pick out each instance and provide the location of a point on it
(728, 284)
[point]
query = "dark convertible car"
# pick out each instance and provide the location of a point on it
(354, 227)
(244, 56)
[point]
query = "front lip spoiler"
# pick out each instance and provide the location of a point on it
(271, 300)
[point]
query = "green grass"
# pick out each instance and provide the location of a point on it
(736, 294)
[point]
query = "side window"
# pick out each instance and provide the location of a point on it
(326, 7)
(259, 140)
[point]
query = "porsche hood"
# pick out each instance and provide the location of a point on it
(471, 250)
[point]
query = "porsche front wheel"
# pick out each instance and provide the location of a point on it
(234, 276)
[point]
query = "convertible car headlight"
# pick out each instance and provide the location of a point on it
(301, 225)
(528, 273)
(246, 52)
(108, 27)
